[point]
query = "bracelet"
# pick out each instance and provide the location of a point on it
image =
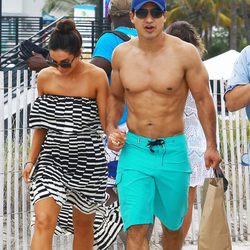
(28, 163)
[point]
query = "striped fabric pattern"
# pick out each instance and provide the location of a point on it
(72, 165)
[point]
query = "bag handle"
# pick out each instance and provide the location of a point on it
(118, 33)
(219, 174)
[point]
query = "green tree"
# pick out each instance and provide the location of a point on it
(245, 10)
(233, 26)
(206, 15)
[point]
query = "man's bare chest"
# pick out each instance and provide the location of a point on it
(161, 78)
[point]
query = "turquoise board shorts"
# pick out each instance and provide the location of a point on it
(153, 180)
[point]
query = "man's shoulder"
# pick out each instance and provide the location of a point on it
(246, 53)
(106, 37)
(179, 45)
(124, 51)
(125, 46)
(246, 49)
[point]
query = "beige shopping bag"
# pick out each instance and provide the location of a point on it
(214, 231)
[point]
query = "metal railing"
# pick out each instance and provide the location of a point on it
(18, 28)
(89, 28)
(15, 138)
(11, 59)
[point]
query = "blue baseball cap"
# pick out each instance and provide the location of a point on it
(137, 4)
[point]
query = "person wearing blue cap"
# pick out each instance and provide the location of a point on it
(237, 93)
(152, 74)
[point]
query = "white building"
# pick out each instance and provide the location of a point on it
(22, 7)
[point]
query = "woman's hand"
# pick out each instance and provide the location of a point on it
(28, 171)
(116, 140)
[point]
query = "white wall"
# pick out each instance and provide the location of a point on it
(12, 7)
(33, 7)
(22, 7)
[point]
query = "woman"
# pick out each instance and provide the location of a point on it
(195, 137)
(68, 118)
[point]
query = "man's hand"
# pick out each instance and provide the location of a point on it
(212, 158)
(116, 140)
(37, 62)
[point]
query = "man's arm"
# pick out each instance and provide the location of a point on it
(115, 105)
(103, 63)
(198, 82)
(237, 94)
(238, 97)
(103, 52)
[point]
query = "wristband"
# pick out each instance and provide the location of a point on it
(28, 163)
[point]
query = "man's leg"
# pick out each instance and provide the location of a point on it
(188, 217)
(172, 240)
(171, 205)
(136, 207)
(138, 238)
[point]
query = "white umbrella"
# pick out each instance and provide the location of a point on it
(221, 66)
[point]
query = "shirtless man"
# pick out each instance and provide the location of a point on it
(152, 74)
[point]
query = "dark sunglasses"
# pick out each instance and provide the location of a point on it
(64, 65)
(143, 13)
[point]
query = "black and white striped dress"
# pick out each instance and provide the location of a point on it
(72, 166)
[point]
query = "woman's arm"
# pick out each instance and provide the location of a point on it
(37, 139)
(101, 97)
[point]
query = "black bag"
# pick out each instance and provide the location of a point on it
(34, 55)
(120, 34)
(26, 47)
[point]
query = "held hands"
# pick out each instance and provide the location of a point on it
(28, 171)
(212, 158)
(116, 140)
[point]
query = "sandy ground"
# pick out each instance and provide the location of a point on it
(235, 246)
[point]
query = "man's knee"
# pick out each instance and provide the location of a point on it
(172, 233)
(138, 232)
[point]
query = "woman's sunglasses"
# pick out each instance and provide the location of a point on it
(64, 65)
(143, 13)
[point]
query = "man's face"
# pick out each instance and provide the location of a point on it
(148, 20)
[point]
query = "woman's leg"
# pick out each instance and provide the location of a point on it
(188, 217)
(46, 211)
(83, 230)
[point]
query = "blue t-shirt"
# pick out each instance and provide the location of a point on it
(105, 48)
(241, 72)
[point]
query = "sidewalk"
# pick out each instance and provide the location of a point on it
(235, 246)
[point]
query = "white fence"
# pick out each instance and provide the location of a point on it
(18, 91)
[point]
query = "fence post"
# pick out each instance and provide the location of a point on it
(24, 159)
(17, 30)
(1, 156)
(16, 164)
(92, 36)
(9, 162)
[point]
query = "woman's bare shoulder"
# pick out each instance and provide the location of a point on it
(46, 74)
(95, 70)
